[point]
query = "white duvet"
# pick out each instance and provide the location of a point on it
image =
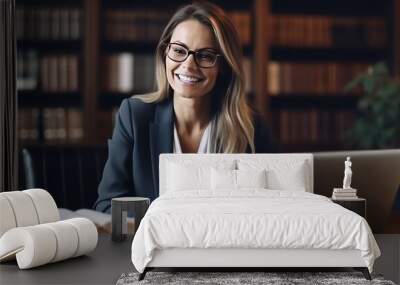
(253, 218)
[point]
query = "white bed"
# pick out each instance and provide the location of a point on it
(247, 210)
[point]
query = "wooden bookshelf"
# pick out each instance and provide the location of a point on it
(338, 7)
(304, 101)
(37, 99)
(50, 46)
(116, 37)
(316, 44)
(49, 79)
(312, 54)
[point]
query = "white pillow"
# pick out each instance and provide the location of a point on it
(181, 177)
(281, 174)
(293, 179)
(225, 179)
(251, 178)
(186, 173)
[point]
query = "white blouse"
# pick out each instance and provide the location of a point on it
(205, 142)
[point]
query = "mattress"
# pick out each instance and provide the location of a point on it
(250, 219)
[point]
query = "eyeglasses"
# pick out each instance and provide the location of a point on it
(205, 58)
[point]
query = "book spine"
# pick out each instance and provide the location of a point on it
(125, 72)
(327, 31)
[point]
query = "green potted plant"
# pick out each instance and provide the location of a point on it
(377, 124)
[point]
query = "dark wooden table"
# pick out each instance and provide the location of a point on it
(104, 265)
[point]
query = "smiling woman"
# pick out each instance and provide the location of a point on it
(200, 105)
(192, 76)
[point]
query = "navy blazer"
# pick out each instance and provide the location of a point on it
(142, 132)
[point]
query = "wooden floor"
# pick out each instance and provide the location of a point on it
(389, 262)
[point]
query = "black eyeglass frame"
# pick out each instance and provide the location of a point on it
(189, 52)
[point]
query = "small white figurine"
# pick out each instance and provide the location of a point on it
(347, 174)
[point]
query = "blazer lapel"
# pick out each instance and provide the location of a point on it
(160, 137)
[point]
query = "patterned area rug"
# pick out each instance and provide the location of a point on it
(243, 278)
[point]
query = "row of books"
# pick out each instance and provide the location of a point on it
(312, 126)
(27, 70)
(135, 25)
(242, 21)
(49, 23)
(127, 72)
(49, 73)
(147, 25)
(317, 78)
(247, 65)
(325, 31)
(28, 123)
(59, 73)
(59, 124)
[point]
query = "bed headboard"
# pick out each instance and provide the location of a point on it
(289, 161)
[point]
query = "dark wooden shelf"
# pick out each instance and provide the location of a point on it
(248, 50)
(233, 5)
(304, 101)
(109, 100)
(128, 46)
(172, 4)
(313, 54)
(110, 46)
(143, 4)
(311, 147)
(39, 99)
(49, 3)
(51, 45)
(281, 101)
(332, 8)
(58, 143)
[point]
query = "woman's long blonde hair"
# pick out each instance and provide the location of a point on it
(234, 122)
